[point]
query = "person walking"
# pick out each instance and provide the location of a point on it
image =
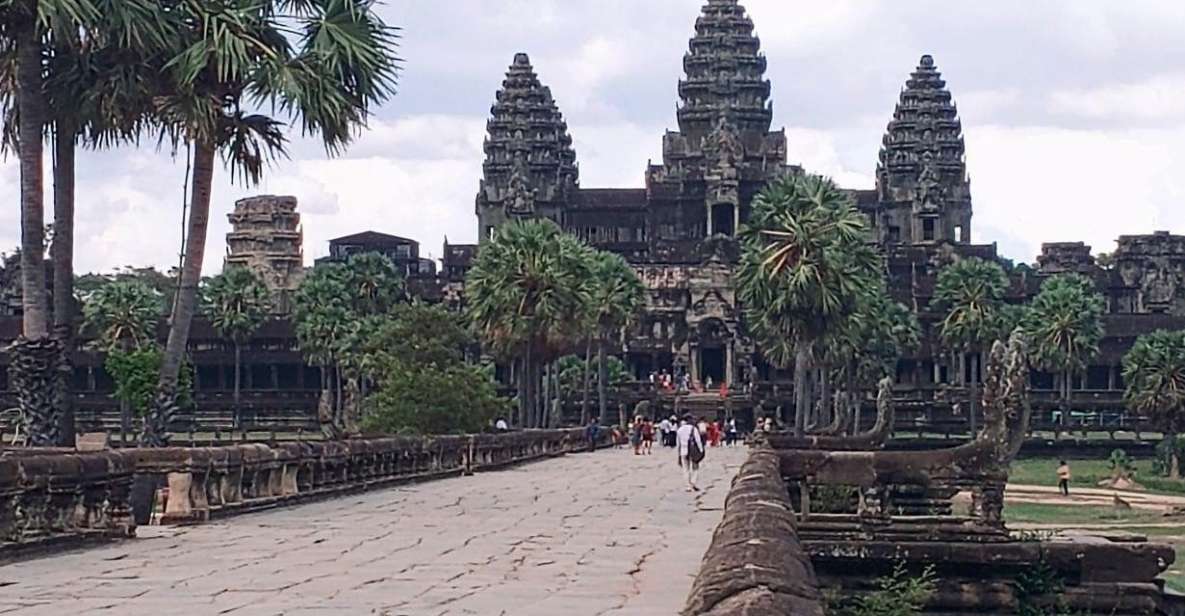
(664, 427)
(690, 444)
(730, 433)
(1063, 477)
(647, 436)
(636, 435)
(592, 432)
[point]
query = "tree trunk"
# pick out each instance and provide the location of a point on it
(125, 421)
(156, 426)
(519, 420)
(31, 108)
(584, 396)
(973, 393)
(238, 418)
(854, 402)
(602, 376)
(62, 254)
(802, 356)
(544, 415)
(1174, 459)
(528, 378)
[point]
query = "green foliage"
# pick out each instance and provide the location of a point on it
(373, 283)
(135, 373)
(415, 333)
(412, 398)
(322, 312)
(1037, 583)
(1065, 323)
(1162, 460)
(123, 314)
(529, 286)
(1154, 371)
(1121, 464)
(896, 594)
(617, 294)
(970, 293)
(236, 302)
(804, 262)
(874, 336)
(571, 369)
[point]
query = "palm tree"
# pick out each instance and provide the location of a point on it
(233, 55)
(804, 260)
(1065, 324)
(970, 295)
(236, 302)
(123, 314)
(1154, 371)
(617, 298)
(374, 283)
(528, 285)
(321, 312)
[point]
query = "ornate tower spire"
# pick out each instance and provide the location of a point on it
(725, 73)
(530, 166)
(922, 167)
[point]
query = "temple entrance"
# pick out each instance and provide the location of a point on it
(723, 219)
(711, 364)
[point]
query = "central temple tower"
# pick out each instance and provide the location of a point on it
(723, 152)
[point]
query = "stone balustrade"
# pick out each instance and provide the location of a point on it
(48, 497)
(755, 565)
(206, 482)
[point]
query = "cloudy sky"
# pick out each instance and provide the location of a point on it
(1074, 113)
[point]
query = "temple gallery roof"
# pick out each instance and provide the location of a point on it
(373, 238)
(611, 198)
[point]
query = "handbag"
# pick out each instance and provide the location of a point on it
(695, 450)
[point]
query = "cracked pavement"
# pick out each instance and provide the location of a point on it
(605, 534)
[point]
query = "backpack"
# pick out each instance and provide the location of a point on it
(695, 448)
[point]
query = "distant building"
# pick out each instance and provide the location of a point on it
(404, 253)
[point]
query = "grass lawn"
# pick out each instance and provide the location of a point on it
(1088, 474)
(1041, 513)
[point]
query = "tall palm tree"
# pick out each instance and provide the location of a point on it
(232, 56)
(374, 282)
(1154, 371)
(616, 299)
(1065, 324)
(970, 295)
(804, 260)
(237, 302)
(321, 312)
(123, 315)
(528, 285)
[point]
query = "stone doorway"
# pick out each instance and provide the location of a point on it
(711, 364)
(723, 219)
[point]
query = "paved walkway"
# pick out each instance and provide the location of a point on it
(590, 534)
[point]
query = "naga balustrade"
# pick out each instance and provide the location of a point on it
(51, 496)
(206, 482)
(755, 564)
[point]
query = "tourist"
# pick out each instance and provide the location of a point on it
(664, 428)
(713, 433)
(647, 436)
(592, 432)
(702, 425)
(1063, 477)
(768, 425)
(636, 435)
(674, 428)
(501, 425)
(730, 433)
(691, 451)
(708, 383)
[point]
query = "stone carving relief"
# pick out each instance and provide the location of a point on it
(713, 305)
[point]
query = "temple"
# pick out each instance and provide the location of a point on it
(677, 231)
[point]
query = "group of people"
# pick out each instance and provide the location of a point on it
(688, 436)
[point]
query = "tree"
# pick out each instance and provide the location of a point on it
(236, 302)
(617, 296)
(970, 295)
(804, 259)
(527, 286)
(123, 315)
(230, 56)
(322, 316)
(1065, 324)
(1154, 371)
(374, 283)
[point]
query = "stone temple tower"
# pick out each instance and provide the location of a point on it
(530, 167)
(724, 146)
(266, 237)
(923, 193)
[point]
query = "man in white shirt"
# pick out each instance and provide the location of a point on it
(501, 425)
(683, 438)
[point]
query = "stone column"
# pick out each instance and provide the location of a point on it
(693, 364)
(728, 367)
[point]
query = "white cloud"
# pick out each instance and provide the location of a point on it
(1160, 97)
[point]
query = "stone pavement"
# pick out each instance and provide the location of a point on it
(589, 534)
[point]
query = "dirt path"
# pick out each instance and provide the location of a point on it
(1090, 497)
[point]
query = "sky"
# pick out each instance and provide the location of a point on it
(1073, 112)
